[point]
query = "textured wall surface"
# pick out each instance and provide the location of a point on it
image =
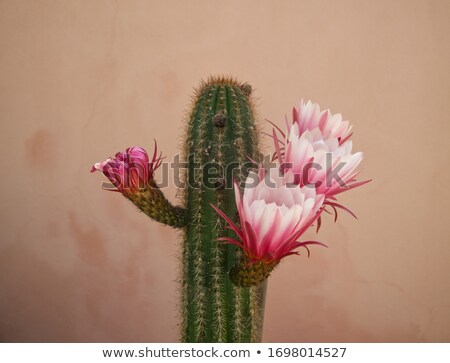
(81, 80)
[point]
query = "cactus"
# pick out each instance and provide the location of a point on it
(220, 139)
(225, 265)
(221, 146)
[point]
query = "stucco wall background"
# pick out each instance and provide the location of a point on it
(81, 80)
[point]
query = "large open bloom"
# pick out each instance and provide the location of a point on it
(308, 116)
(131, 170)
(317, 150)
(273, 214)
(319, 162)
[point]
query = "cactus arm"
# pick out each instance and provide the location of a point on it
(154, 204)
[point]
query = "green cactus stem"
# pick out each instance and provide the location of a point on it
(154, 204)
(221, 139)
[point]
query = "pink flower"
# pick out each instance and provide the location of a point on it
(131, 170)
(320, 162)
(308, 117)
(273, 215)
(317, 150)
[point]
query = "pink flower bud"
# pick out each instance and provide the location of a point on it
(129, 171)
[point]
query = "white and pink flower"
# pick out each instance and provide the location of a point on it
(319, 162)
(316, 149)
(308, 116)
(273, 215)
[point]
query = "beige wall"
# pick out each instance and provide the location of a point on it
(80, 80)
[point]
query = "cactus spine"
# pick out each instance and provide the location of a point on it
(221, 137)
